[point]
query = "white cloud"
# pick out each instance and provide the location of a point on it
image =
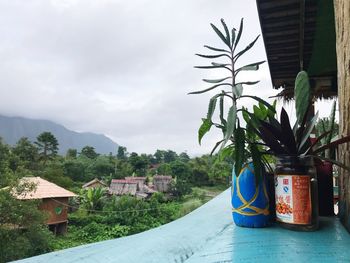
(122, 68)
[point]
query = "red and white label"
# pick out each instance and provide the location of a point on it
(293, 199)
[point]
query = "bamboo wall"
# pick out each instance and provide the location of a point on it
(342, 24)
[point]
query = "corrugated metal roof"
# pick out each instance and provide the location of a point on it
(299, 35)
(43, 189)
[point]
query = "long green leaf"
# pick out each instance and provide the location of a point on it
(213, 56)
(233, 36)
(268, 105)
(217, 49)
(213, 87)
(253, 66)
(215, 147)
(238, 90)
(221, 35)
(231, 124)
(216, 80)
(203, 129)
(302, 94)
(249, 82)
(228, 38)
(332, 121)
(210, 67)
(239, 149)
(221, 113)
(318, 139)
(307, 132)
(211, 107)
(258, 167)
(246, 49)
(239, 33)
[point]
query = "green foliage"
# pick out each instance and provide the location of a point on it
(47, 146)
(89, 152)
(94, 216)
(302, 95)
(21, 226)
(71, 154)
(92, 198)
(238, 137)
(122, 152)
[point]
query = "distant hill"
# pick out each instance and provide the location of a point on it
(13, 128)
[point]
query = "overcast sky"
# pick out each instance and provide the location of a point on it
(121, 68)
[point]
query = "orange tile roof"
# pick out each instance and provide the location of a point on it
(43, 189)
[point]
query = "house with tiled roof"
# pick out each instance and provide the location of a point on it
(54, 201)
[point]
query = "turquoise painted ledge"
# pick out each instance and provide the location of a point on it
(208, 235)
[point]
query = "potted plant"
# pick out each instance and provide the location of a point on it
(295, 173)
(249, 195)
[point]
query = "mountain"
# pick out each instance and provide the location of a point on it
(13, 128)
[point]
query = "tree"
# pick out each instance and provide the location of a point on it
(89, 152)
(121, 154)
(71, 154)
(183, 157)
(181, 186)
(27, 229)
(169, 156)
(159, 156)
(139, 163)
(26, 152)
(101, 167)
(47, 145)
(75, 169)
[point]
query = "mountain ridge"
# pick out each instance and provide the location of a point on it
(14, 128)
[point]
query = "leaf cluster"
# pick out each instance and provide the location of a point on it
(236, 138)
(282, 139)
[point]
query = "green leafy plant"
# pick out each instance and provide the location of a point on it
(282, 139)
(324, 125)
(238, 136)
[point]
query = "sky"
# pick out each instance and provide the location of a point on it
(121, 68)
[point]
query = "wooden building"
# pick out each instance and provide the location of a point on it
(95, 183)
(161, 183)
(54, 201)
(141, 181)
(123, 187)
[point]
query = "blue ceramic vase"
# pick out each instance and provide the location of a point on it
(250, 202)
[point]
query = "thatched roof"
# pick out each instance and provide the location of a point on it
(300, 36)
(43, 189)
(94, 181)
(123, 187)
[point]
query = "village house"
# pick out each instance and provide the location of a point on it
(95, 183)
(161, 183)
(123, 187)
(54, 201)
(141, 181)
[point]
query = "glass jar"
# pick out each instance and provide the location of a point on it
(296, 193)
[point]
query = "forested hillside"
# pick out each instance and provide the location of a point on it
(14, 128)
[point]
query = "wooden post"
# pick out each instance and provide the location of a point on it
(342, 22)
